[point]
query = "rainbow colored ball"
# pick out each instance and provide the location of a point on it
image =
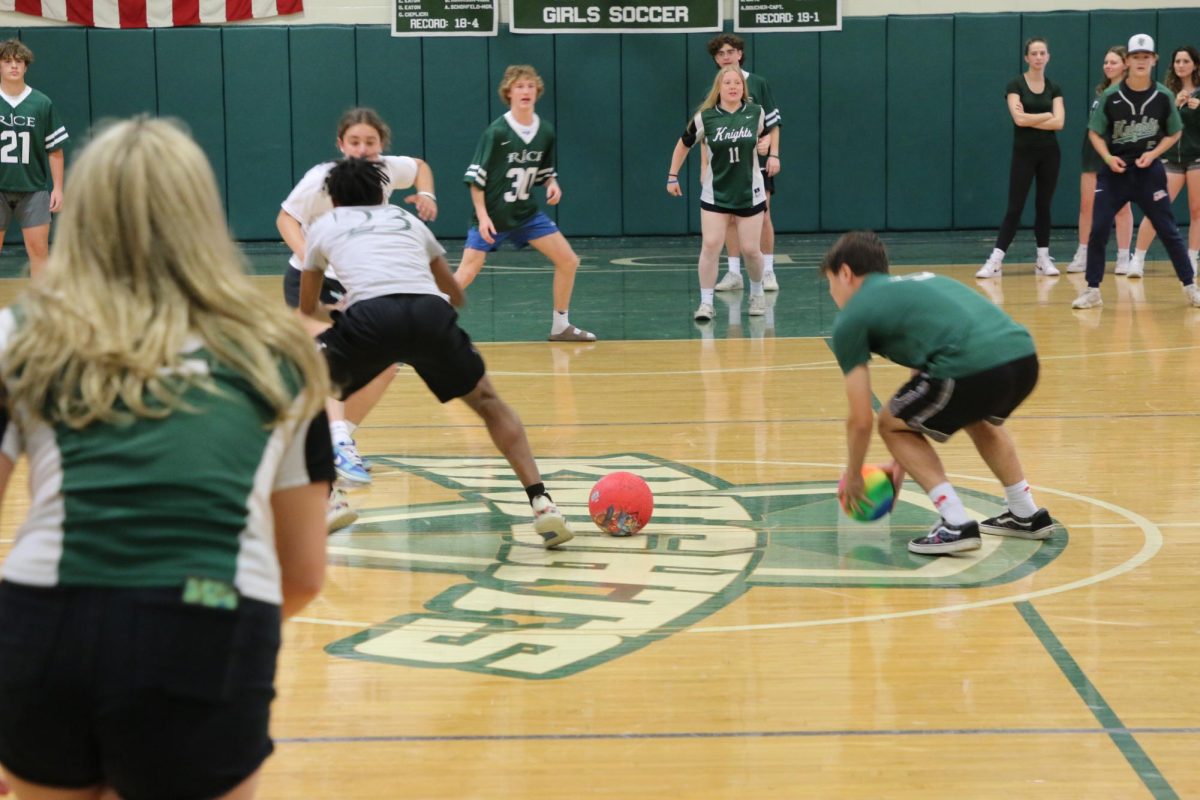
(880, 495)
(621, 504)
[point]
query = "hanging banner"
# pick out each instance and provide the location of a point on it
(614, 16)
(764, 16)
(445, 18)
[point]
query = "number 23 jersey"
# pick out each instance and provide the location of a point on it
(509, 161)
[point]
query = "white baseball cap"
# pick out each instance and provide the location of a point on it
(1140, 43)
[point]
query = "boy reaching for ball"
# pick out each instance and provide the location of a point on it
(972, 367)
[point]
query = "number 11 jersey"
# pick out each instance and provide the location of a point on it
(29, 129)
(509, 161)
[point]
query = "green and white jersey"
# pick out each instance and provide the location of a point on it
(926, 322)
(509, 161)
(761, 94)
(29, 130)
(1133, 122)
(732, 179)
(156, 502)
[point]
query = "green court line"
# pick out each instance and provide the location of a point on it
(1151, 777)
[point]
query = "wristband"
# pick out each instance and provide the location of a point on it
(430, 195)
(772, 155)
(672, 180)
(672, 174)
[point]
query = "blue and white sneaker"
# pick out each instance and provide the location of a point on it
(946, 538)
(349, 465)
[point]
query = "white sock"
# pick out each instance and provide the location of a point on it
(755, 288)
(706, 296)
(560, 322)
(1193, 255)
(339, 432)
(350, 427)
(997, 254)
(1081, 250)
(1122, 257)
(1139, 254)
(946, 501)
(1043, 252)
(735, 265)
(1020, 499)
(768, 263)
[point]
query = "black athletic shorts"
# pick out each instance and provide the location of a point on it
(768, 182)
(939, 408)
(134, 689)
(419, 329)
(737, 212)
(332, 291)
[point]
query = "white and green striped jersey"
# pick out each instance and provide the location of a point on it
(509, 161)
(732, 178)
(157, 502)
(760, 93)
(29, 130)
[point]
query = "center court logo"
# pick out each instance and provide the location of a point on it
(526, 612)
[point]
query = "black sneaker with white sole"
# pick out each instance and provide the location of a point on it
(946, 538)
(1039, 526)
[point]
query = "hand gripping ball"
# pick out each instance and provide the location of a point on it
(881, 495)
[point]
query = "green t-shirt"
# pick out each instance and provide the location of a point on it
(761, 94)
(509, 161)
(1033, 103)
(29, 130)
(1187, 149)
(1133, 122)
(732, 178)
(926, 322)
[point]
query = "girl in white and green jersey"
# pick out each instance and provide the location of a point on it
(732, 186)
(178, 462)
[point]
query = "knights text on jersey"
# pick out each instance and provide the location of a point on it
(509, 161)
(30, 129)
(733, 177)
(1133, 122)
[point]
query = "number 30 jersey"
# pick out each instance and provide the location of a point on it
(29, 129)
(509, 161)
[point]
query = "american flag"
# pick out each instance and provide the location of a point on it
(151, 13)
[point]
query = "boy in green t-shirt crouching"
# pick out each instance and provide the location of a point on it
(972, 367)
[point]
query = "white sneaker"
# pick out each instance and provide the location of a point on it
(758, 305)
(990, 268)
(339, 513)
(732, 282)
(549, 523)
(1137, 267)
(1089, 298)
(704, 313)
(770, 282)
(1045, 266)
(1079, 262)
(1192, 291)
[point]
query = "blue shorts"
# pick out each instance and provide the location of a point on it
(535, 227)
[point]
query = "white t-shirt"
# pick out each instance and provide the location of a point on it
(379, 250)
(308, 201)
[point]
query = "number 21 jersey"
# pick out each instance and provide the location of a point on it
(509, 161)
(29, 129)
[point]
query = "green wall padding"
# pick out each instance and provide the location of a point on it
(188, 64)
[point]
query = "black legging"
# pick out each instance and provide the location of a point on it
(1027, 164)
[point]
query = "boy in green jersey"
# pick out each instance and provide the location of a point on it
(31, 156)
(514, 154)
(972, 367)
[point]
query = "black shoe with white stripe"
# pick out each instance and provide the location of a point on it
(946, 538)
(1039, 526)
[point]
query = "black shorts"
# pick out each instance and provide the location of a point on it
(768, 182)
(940, 408)
(134, 689)
(332, 291)
(419, 329)
(737, 212)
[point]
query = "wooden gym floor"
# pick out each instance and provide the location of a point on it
(752, 643)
